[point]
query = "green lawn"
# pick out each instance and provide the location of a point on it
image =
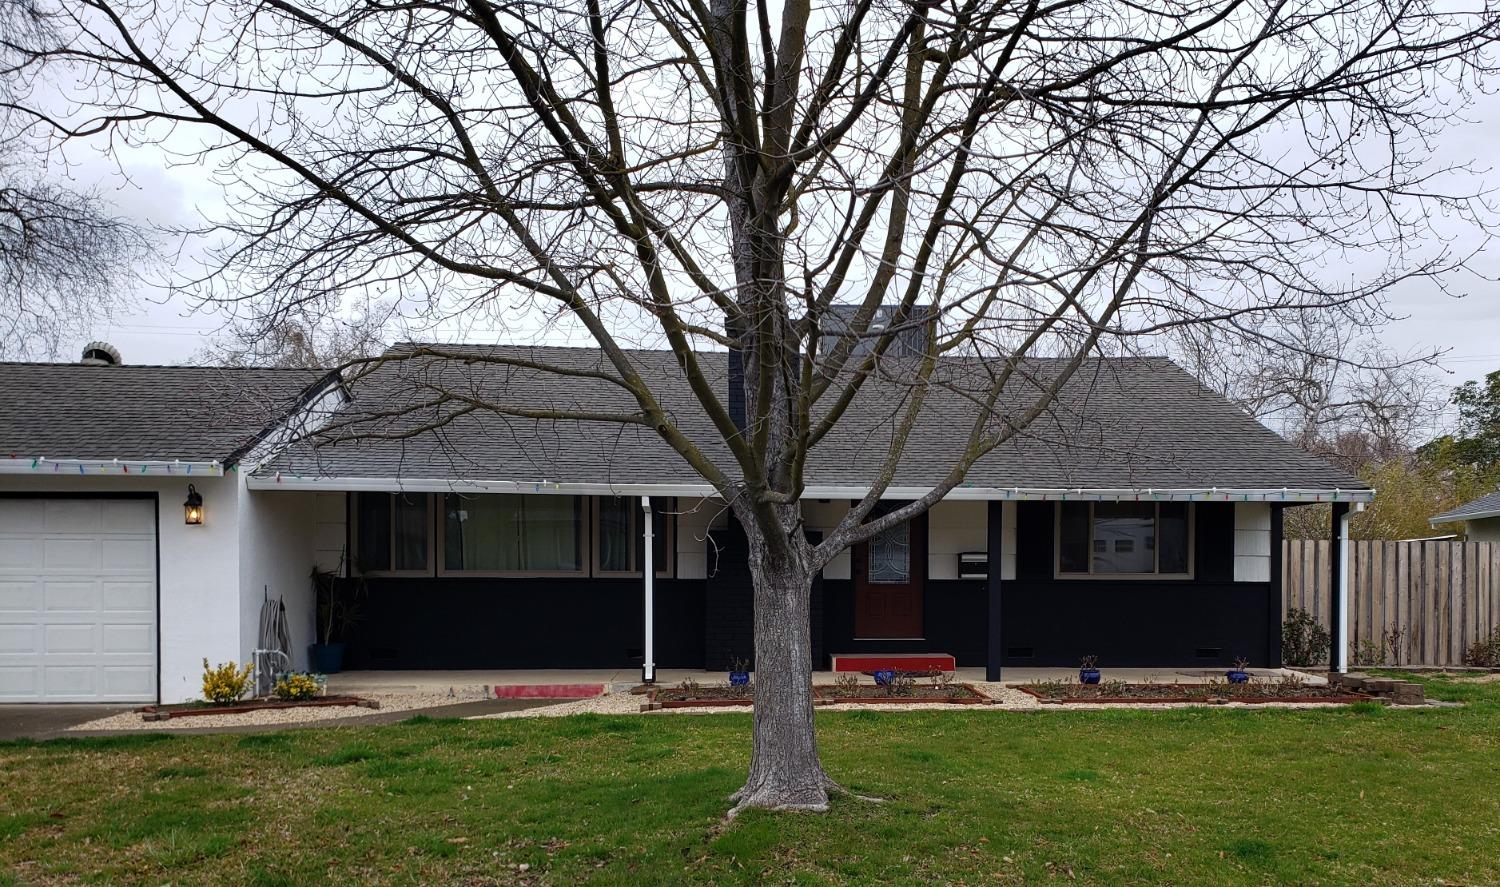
(1363, 796)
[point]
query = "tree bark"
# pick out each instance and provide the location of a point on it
(785, 772)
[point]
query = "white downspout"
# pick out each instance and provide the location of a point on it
(1342, 593)
(648, 664)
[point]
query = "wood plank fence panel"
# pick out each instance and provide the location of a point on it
(1410, 603)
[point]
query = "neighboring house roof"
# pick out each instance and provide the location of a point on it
(1120, 424)
(1483, 507)
(57, 411)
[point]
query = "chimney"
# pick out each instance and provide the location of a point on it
(100, 354)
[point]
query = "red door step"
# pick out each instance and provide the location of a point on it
(547, 691)
(894, 661)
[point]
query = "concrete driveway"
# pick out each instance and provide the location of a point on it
(32, 721)
(28, 721)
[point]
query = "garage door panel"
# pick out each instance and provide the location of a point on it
(20, 682)
(20, 596)
(128, 555)
(20, 555)
(67, 555)
(71, 595)
(127, 639)
(20, 638)
(22, 516)
(127, 515)
(70, 638)
(124, 596)
(128, 682)
(78, 600)
(72, 515)
(70, 681)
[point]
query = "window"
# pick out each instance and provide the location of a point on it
(393, 532)
(618, 535)
(507, 533)
(1124, 539)
(890, 556)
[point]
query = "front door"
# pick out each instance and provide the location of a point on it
(889, 573)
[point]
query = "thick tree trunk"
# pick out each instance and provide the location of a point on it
(785, 772)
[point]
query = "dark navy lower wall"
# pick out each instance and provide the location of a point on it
(439, 622)
(1130, 624)
(953, 621)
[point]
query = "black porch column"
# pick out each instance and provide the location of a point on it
(1337, 599)
(1275, 606)
(994, 557)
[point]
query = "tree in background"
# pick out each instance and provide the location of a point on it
(805, 184)
(292, 341)
(66, 263)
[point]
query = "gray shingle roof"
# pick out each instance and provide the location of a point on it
(1484, 506)
(1130, 423)
(80, 411)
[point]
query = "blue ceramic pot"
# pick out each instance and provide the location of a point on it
(326, 658)
(884, 676)
(1088, 675)
(739, 678)
(1237, 677)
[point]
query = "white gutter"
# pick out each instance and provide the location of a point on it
(648, 662)
(283, 481)
(1456, 518)
(111, 467)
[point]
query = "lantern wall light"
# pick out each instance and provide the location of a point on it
(192, 509)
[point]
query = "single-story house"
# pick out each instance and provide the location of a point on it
(1137, 520)
(1481, 518)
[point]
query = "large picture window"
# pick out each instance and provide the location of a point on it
(507, 533)
(618, 536)
(1124, 539)
(394, 532)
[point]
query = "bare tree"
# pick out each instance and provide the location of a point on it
(291, 341)
(1049, 177)
(66, 262)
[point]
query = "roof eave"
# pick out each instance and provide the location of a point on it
(112, 467)
(277, 480)
(1449, 517)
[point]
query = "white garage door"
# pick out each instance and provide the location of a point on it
(77, 600)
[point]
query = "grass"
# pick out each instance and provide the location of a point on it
(1208, 796)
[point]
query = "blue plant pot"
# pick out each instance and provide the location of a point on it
(739, 678)
(1237, 677)
(884, 676)
(326, 658)
(1088, 675)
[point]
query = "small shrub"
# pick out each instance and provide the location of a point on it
(1088, 662)
(1370, 652)
(1485, 653)
(902, 684)
(1303, 641)
(847, 683)
(297, 685)
(689, 685)
(226, 683)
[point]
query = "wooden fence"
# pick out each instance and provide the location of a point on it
(1410, 603)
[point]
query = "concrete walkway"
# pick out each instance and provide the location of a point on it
(32, 721)
(360, 682)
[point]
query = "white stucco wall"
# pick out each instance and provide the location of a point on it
(276, 557)
(199, 585)
(1252, 542)
(330, 531)
(954, 527)
(696, 518)
(1483, 530)
(823, 515)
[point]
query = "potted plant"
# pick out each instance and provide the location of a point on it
(1088, 670)
(337, 609)
(739, 673)
(884, 676)
(1238, 675)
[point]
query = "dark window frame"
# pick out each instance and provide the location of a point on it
(1090, 574)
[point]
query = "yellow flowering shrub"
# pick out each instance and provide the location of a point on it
(297, 685)
(224, 683)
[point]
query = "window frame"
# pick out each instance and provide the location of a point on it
(1192, 531)
(583, 539)
(661, 571)
(354, 520)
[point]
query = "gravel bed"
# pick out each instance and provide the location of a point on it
(389, 702)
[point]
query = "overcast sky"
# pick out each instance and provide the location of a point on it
(144, 186)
